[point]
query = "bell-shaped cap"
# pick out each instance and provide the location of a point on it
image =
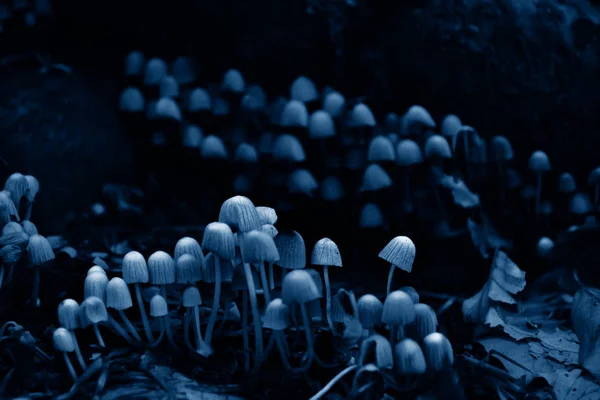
(63, 340)
(412, 293)
(132, 100)
(370, 309)
(326, 252)
(292, 251)
(168, 87)
(566, 183)
(258, 247)
(332, 189)
(425, 322)
(294, 115)
(408, 153)
(118, 295)
(183, 70)
(544, 247)
(191, 297)
(539, 162)
(581, 204)
(376, 350)
(320, 125)
(218, 239)
(381, 149)
(94, 285)
(299, 287)
(277, 316)
(161, 268)
(134, 63)
(400, 251)
(303, 89)
(302, 181)
(18, 187)
(437, 146)
(269, 230)
(188, 269)
(158, 306)
(29, 227)
(375, 178)
(233, 81)
(451, 125)
(240, 214)
(438, 352)
(213, 148)
(134, 268)
(416, 119)
(500, 149)
(34, 186)
(334, 103)
(12, 227)
(409, 358)
(398, 309)
(68, 314)
(361, 116)
(288, 148)
(267, 215)
(39, 250)
(166, 108)
(199, 100)
(154, 71)
(371, 216)
(246, 154)
(92, 311)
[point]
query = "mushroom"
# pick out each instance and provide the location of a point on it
(376, 350)
(416, 120)
(119, 298)
(135, 271)
(39, 252)
(398, 311)
(68, 317)
(425, 322)
(95, 285)
(410, 362)
(192, 300)
(258, 248)
(408, 154)
(539, 164)
(159, 309)
(292, 251)
(362, 121)
(93, 311)
(218, 240)
(370, 309)
(400, 252)
(63, 342)
(326, 253)
(299, 288)
(277, 318)
(438, 352)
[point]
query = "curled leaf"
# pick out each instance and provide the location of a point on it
(585, 315)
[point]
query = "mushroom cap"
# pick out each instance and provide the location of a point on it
(451, 125)
(302, 181)
(277, 316)
(417, 117)
(118, 295)
(63, 340)
(233, 81)
(213, 147)
(258, 94)
(161, 268)
(287, 147)
(437, 146)
(240, 214)
(154, 71)
(246, 153)
(188, 269)
(199, 100)
(398, 309)
(292, 251)
(269, 230)
(93, 311)
(218, 239)
(191, 297)
(361, 116)
(400, 251)
(132, 100)
(68, 314)
(267, 215)
(412, 293)
(188, 245)
(168, 87)
(294, 114)
(539, 162)
(377, 350)
(209, 271)
(408, 152)
(167, 108)
(34, 186)
(370, 310)
(409, 358)
(334, 103)
(375, 178)
(566, 183)
(134, 63)
(425, 322)
(94, 285)
(594, 177)
(258, 247)
(544, 247)
(10, 254)
(320, 125)
(29, 227)
(381, 149)
(325, 252)
(158, 306)
(12, 227)
(581, 204)
(438, 352)
(500, 149)
(299, 287)
(371, 216)
(96, 268)
(183, 70)
(39, 250)
(303, 89)
(134, 268)
(332, 189)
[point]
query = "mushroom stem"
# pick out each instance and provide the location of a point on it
(70, 366)
(1, 275)
(332, 382)
(283, 350)
(114, 324)
(271, 277)
(201, 346)
(186, 329)
(264, 283)
(215, 305)
(77, 350)
(310, 346)
(142, 307)
(35, 291)
(538, 194)
(129, 326)
(161, 335)
(169, 331)
(255, 312)
(245, 329)
(98, 335)
(390, 278)
(328, 299)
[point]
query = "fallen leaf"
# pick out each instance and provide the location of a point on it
(575, 385)
(460, 192)
(485, 237)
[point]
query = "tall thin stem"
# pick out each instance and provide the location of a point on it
(281, 346)
(129, 326)
(264, 282)
(328, 299)
(78, 351)
(390, 279)
(70, 366)
(215, 305)
(144, 316)
(245, 329)
(255, 312)
(98, 335)
(271, 277)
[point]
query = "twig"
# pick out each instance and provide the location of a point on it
(488, 368)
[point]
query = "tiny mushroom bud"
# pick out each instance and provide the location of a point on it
(64, 343)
